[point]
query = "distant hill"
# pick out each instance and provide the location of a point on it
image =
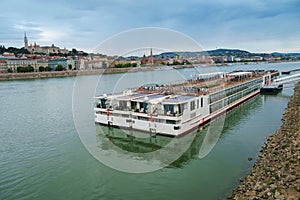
(217, 52)
(285, 54)
(225, 52)
(228, 52)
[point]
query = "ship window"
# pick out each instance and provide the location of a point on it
(198, 103)
(103, 103)
(169, 109)
(143, 107)
(201, 102)
(176, 127)
(181, 108)
(192, 105)
(122, 105)
(125, 116)
(143, 118)
(170, 121)
(133, 105)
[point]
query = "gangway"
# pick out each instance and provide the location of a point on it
(276, 85)
(287, 79)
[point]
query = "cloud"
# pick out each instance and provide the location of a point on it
(215, 23)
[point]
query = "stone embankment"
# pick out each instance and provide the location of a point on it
(33, 75)
(276, 173)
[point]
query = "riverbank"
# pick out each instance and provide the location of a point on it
(53, 74)
(276, 173)
(34, 75)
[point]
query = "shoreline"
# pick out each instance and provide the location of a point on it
(276, 172)
(56, 74)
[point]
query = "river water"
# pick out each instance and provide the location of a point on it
(42, 156)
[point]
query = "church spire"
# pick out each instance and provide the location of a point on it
(150, 61)
(25, 41)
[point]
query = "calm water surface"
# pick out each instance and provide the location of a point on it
(42, 156)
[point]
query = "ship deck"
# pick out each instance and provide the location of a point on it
(198, 87)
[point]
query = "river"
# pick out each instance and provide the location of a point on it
(42, 156)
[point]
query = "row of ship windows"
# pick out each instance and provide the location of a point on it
(218, 105)
(229, 91)
(167, 109)
(164, 121)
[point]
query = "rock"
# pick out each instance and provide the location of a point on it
(292, 197)
(273, 186)
(291, 178)
(258, 187)
(277, 194)
(251, 193)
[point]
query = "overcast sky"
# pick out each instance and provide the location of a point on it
(256, 25)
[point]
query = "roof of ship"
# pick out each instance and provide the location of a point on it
(131, 96)
(150, 97)
(178, 99)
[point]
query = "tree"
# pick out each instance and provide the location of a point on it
(20, 69)
(74, 52)
(127, 65)
(17, 51)
(29, 68)
(47, 69)
(59, 68)
(41, 68)
(9, 70)
(118, 65)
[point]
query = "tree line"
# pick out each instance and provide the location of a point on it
(13, 50)
(125, 65)
(22, 50)
(30, 68)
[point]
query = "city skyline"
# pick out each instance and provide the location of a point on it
(256, 26)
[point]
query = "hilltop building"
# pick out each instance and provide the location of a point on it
(35, 48)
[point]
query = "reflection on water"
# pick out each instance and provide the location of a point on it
(204, 139)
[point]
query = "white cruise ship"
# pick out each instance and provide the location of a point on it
(175, 109)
